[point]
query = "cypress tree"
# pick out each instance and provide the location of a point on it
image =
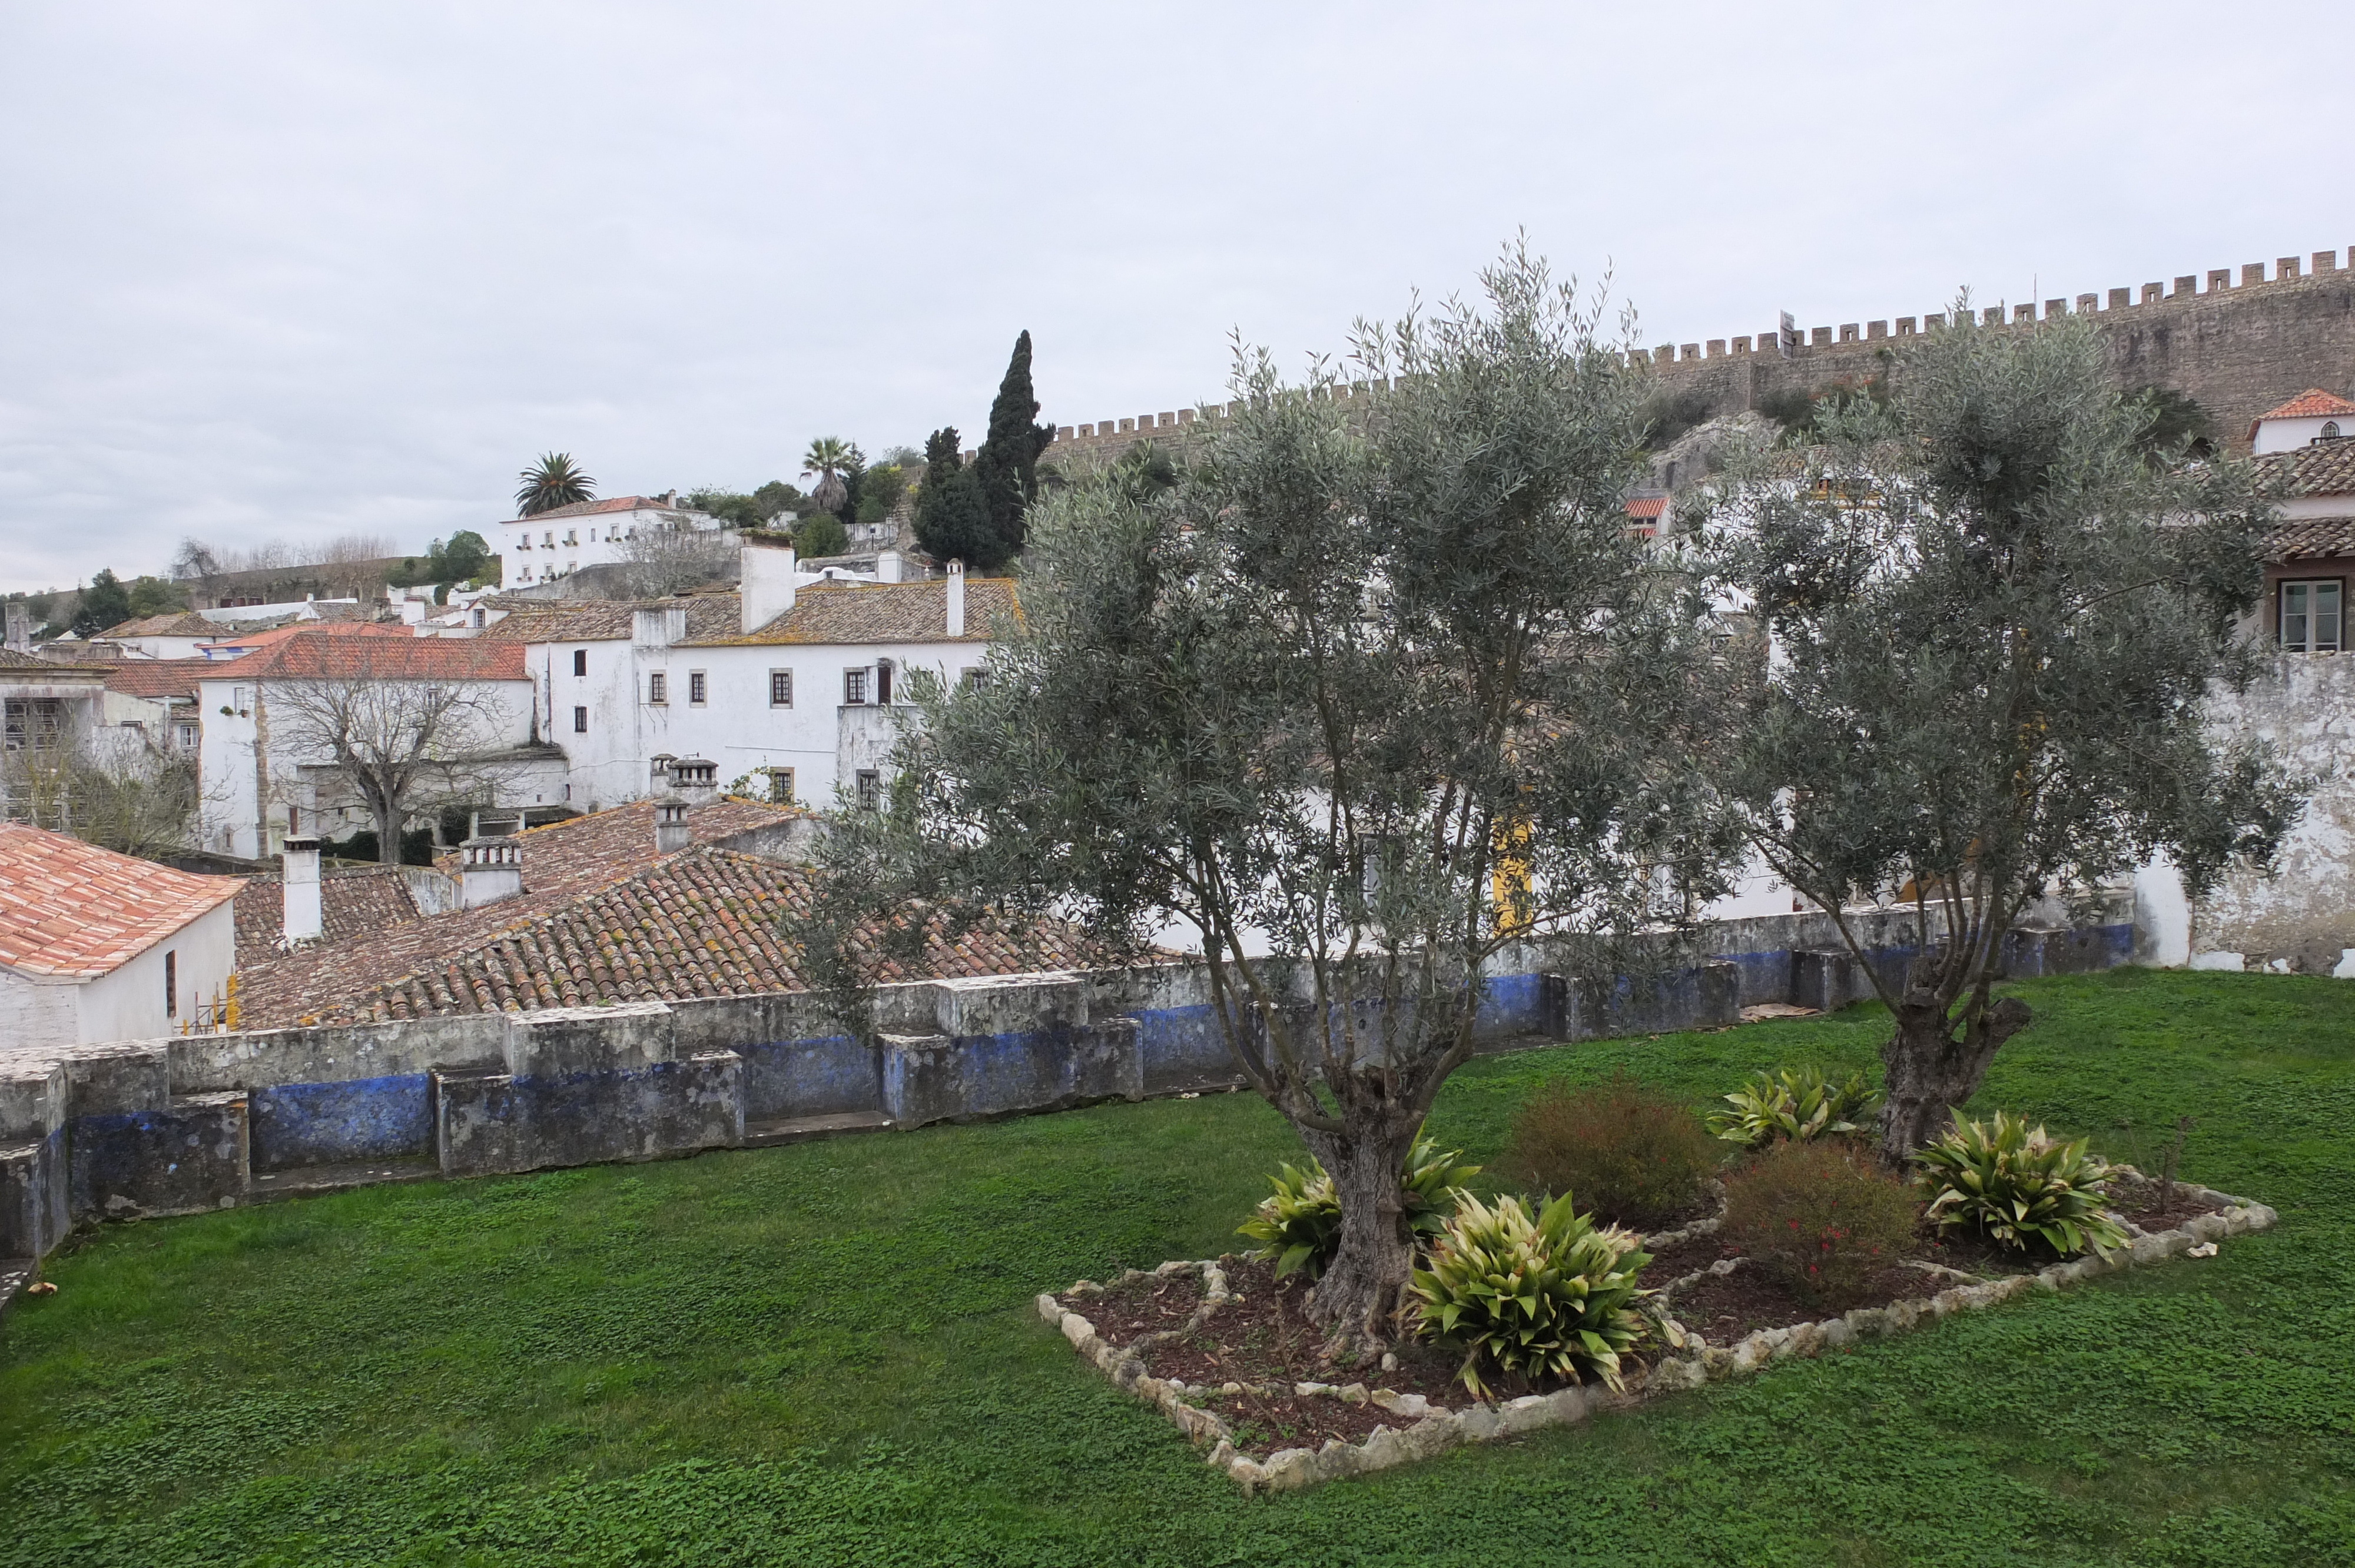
(1007, 463)
(953, 515)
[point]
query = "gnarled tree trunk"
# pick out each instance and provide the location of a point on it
(1935, 1061)
(1359, 1295)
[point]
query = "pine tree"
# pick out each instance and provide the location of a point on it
(1007, 463)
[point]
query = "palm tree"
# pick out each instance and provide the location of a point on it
(555, 481)
(829, 458)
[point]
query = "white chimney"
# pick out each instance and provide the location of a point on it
(490, 870)
(956, 599)
(887, 566)
(671, 833)
(658, 626)
(766, 590)
(693, 781)
(298, 876)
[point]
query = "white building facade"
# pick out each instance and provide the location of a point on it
(557, 543)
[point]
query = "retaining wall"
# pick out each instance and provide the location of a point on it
(176, 1126)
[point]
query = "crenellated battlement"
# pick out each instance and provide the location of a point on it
(2257, 342)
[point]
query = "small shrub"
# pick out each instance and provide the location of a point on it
(1796, 1103)
(1821, 1217)
(1634, 1156)
(2016, 1186)
(1555, 1294)
(1299, 1224)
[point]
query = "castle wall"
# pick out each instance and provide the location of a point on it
(2239, 345)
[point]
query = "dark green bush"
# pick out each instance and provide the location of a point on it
(1823, 1217)
(1630, 1154)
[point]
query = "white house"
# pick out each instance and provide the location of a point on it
(96, 946)
(2312, 416)
(263, 775)
(560, 542)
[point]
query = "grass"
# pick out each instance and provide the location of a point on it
(825, 1354)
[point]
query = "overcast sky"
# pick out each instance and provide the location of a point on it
(282, 271)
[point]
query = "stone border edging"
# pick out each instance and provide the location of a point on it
(1436, 1428)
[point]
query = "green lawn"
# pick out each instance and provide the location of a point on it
(827, 1354)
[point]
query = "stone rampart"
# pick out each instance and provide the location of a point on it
(200, 1122)
(2238, 348)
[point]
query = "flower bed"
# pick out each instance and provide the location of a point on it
(1221, 1346)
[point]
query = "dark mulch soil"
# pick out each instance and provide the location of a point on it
(1143, 1306)
(1724, 1307)
(1672, 1263)
(1967, 1249)
(2139, 1201)
(1262, 1424)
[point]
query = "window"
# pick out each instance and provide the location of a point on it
(883, 685)
(695, 688)
(781, 786)
(572, 536)
(524, 542)
(171, 985)
(870, 789)
(580, 661)
(236, 698)
(2312, 616)
(976, 678)
(548, 540)
(853, 687)
(780, 688)
(185, 736)
(34, 723)
(481, 619)
(580, 721)
(2330, 430)
(657, 688)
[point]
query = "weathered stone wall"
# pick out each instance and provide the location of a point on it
(2238, 348)
(208, 1121)
(2303, 915)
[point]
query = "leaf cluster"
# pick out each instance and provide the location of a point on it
(1550, 1296)
(1298, 1225)
(1795, 1103)
(2018, 1185)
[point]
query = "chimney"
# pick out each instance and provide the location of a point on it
(766, 590)
(693, 781)
(490, 870)
(671, 833)
(299, 878)
(956, 599)
(657, 626)
(887, 566)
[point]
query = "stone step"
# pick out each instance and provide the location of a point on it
(303, 1180)
(802, 1129)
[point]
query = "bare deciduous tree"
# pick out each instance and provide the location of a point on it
(113, 786)
(672, 555)
(398, 743)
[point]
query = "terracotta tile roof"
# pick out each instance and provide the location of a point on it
(2324, 468)
(708, 615)
(886, 612)
(156, 678)
(186, 623)
(353, 904)
(2312, 539)
(2313, 403)
(700, 923)
(12, 660)
(73, 909)
(561, 861)
(611, 503)
(316, 653)
(255, 641)
(1647, 507)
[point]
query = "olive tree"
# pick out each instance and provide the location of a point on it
(1359, 703)
(1992, 613)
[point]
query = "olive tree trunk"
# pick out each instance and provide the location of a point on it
(1360, 1293)
(1935, 1060)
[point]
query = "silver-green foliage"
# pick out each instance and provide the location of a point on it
(1795, 1103)
(1298, 1225)
(2019, 1185)
(1549, 1295)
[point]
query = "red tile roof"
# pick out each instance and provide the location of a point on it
(256, 641)
(2312, 539)
(158, 678)
(185, 624)
(2313, 403)
(353, 905)
(834, 612)
(611, 503)
(2320, 468)
(1647, 507)
(316, 653)
(72, 909)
